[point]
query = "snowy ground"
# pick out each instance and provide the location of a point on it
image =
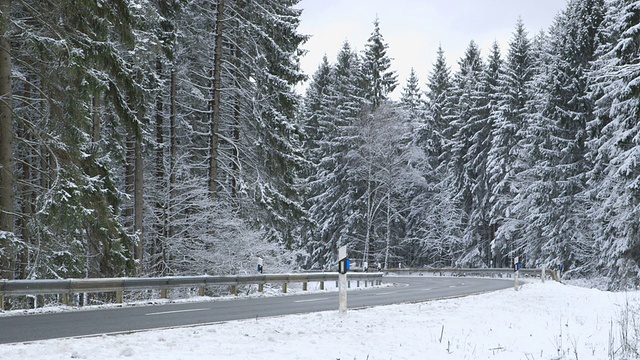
(541, 321)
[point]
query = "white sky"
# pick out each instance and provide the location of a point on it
(414, 29)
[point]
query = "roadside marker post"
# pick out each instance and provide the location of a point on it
(260, 266)
(516, 268)
(343, 266)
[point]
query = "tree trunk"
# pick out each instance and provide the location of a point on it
(369, 214)
(96, 117)
(129, 189)
(235, 160)
(6, 147)
(235, 156)
(214, 104)
(161, 206)
(139, 203)
(388, 240)
(172, 150)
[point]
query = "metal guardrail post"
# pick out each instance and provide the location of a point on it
(2, 285)
(119, 296)
(304, 286)
(284, 288)
(64, 298)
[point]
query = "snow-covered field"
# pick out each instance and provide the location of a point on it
(541, 321)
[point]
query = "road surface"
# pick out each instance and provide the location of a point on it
(25, 328)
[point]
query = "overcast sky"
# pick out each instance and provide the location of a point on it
(413, 29)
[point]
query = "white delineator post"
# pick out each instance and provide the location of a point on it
(516, 268)
(542, 274)
(342, 280)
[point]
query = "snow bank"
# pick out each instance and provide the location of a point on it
(541, 321)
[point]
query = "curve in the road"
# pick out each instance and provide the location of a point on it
(130, 318)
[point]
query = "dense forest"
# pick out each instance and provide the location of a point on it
(165, 137)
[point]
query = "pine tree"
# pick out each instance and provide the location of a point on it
(163, 18)
(318, 107)
(333, 204)
(278, 153)
(411, 98)
(509, 121)
(379, 80)
(80, 65)
(550, 203)
(7, 261)
(320, 126)
(467, 147)
(614, 179)
(438, 111)
(433, 223)
(478, 154)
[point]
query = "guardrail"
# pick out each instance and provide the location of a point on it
(68, 287)
(492, 272)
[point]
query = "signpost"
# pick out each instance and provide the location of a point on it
(343, 266)
(260, 265)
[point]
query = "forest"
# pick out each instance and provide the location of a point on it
(166, 137)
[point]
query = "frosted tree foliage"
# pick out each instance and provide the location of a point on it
(146, 137)
(614, 180)
(142, 138)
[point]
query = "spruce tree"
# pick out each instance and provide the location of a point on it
(550, 201)
(438, 110)
(379, 80)
(439, 240)
(615, 140)
(505, 156)
(466, 148)
(482, 141)
(411, 98)
(7, 196)
(334, 103)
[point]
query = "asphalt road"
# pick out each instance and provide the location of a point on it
(25, 328)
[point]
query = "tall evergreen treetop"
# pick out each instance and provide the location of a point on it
(439, 81)
(438, 108)
(350, 97)
(505, 158)
(411, 97)
(380, 81)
